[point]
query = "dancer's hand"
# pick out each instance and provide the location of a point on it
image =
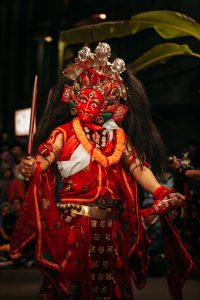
(162, 206)
(178, 200)
(27, 167)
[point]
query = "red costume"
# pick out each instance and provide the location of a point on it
(85, 215)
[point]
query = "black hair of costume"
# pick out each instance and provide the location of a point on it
(137, 123)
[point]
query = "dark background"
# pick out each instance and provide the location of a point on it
(173, 88)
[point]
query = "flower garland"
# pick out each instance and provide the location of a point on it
(96, 153)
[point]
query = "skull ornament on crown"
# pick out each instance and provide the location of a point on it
(98, 92)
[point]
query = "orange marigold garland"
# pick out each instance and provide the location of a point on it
(96, 153)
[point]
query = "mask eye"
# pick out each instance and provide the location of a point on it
(82, 101)
(91, 95)
(94, 105)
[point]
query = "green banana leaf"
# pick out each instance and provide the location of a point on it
(95, 33)
(168, 24)
(159, 54)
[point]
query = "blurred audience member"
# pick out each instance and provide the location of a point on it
(12, 191)
(5, 209)
(11, 157)
(7, 176)
(17, 205)
(17, 186)
(187, 181)
(193, 149)
(7, 222)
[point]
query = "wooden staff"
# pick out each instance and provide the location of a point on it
(33, 117)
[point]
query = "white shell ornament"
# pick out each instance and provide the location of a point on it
(118, 65)
(84, 53)
(103, 51)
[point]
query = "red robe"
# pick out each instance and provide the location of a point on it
(71, 249)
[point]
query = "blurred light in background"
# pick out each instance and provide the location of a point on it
(48, 39)
(102, 16)
(22, 121)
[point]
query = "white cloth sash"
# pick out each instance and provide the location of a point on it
(80, 158)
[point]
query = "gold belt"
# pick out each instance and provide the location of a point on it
(92, 212)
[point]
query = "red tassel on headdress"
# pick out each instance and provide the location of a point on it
(119, 111)
(117, 292)
(66, 94)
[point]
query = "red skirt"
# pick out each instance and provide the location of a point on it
(96, 263)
